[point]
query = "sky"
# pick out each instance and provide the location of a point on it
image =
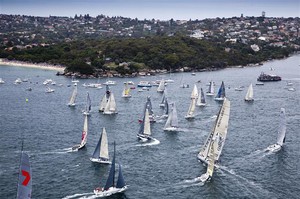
(153, 9)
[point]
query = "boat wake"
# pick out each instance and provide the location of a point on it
(244, 181)
(151, 143)
(190, 183)
(57, 151)
(81, 195)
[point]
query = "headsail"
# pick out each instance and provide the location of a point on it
(282, 128)
(120, 183)
(25, 182)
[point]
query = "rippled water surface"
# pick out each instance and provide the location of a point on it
(167, 168)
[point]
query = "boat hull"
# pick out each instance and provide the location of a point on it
(219, 99)
(274, 148)
(171, 129)
(101, 161)
(109, 192)
(143, 138)
(77, 147)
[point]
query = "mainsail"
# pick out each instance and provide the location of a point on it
(145, 126)
(220, 128)
(161, 86)
(101, 150)
(221, 93)
(120, 182)
(201, 99)
(84, 132)
(104, 99)
(190, 113)
(210, 90)
(195, 93)
(249, 94)
(126, 91)
(172, 121)
(73, 97)
(110, 107)
(24, 182)
(282, 128)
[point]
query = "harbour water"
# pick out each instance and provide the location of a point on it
(165, 169)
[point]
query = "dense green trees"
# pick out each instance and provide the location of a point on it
(158, 52)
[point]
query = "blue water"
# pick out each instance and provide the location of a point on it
(168, 168)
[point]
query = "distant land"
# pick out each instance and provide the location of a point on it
(120, 46)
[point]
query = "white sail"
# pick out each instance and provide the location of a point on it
(84, 132)
(282, 128)
(220, 127)
(195, 93)
(147, 129)
(172, 121)
(110, 107)
(161, 86)
(104, 99)
(103, 103)
(73, 97)
(211, 89)
(249, 94)
(104, 146)
(190, 113)
(25, 181)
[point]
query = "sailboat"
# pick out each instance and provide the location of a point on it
(210, 160)
(190, 113)
(111, 107)
(220, 127)
(88, 105)
(148, 106)
(166, 109)
(83, 136)
(281, 133)
(221, 93)
(126, 91)
(145, 128)
(24, 182)
(110, 187)
(249, 94)
(195, 93)
(172, 121)
(73, 97)
(211, 89)
(104, 99)
(164, 97)
(100, 154)
(161, 86)
(201, 99)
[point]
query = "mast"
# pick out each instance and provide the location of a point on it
(282, 128)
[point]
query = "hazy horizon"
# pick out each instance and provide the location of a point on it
(149, 9)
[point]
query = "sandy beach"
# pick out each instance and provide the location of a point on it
(44, 66)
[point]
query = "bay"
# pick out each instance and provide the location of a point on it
(49, 128)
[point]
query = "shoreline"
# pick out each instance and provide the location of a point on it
(45, 66)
